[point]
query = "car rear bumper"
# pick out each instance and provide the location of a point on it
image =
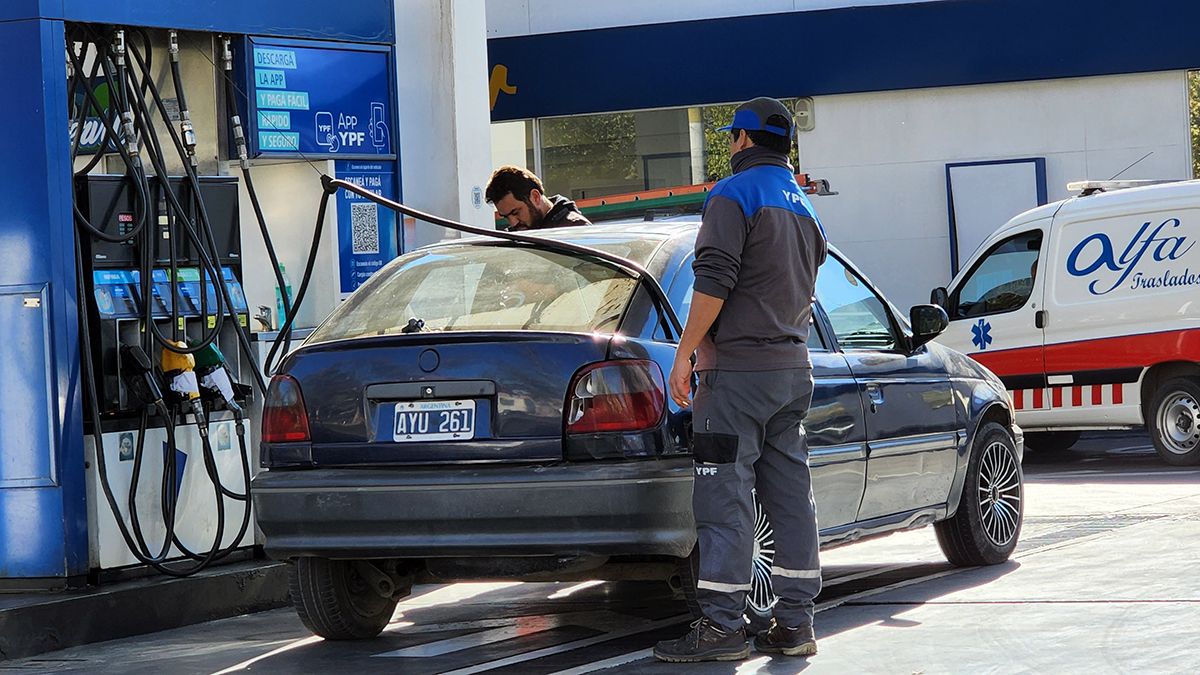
(620, 508)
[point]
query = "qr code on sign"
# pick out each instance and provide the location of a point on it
(364, 227)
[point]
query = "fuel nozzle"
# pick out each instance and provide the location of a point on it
(180, 370)
(141, 378)
(214, 376)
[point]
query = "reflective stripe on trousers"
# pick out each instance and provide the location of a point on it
(747, 436)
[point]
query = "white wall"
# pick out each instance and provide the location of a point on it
(886, 154)
(508, 144)
(508, 18)
(445, 120)
(290, 193)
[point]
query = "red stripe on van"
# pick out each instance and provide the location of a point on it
(1019, 399)
(1097, 394)
(1118, 394)
(1038, 398)
(1077, 396)
(1131, 351)
(1024, 361)
(1057, 397)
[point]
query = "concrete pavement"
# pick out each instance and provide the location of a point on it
(1102, 582)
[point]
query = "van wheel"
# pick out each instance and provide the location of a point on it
(1174, 421)
(1051, 441)
(761, 599)
(987, 524)
(335, 600)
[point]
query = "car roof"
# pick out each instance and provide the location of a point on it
(660, 232)
(663, 229)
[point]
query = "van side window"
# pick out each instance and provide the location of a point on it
(1002, 280)
(860, 318)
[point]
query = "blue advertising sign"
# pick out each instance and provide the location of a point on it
(367, 233)
(318, 99)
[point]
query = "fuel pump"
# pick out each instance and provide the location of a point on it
(158, 268)
(167, 360)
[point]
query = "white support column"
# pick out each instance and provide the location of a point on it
(445, 121)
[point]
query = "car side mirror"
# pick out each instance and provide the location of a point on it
(939, 297)
(928, 322)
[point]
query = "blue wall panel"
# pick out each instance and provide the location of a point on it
(357, 21)
(43, 517)
(955, 42)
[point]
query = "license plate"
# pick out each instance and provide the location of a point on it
(434, 421)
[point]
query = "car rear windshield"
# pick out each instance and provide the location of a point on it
(487, 288)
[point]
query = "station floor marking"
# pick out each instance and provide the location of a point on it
(753, 666)
(572, 646)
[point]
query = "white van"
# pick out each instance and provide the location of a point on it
(1089, 310)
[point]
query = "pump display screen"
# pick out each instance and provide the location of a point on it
(318, 99)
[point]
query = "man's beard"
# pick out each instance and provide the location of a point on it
(536, 218)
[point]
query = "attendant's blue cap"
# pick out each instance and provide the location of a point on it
(762, 114)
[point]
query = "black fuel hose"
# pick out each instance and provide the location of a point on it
(308, 269)
(330, 186)
(134, 105)
(219, 282)
(626, 266)
(134, 172)
(235, 120)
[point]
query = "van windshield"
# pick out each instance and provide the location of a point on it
(487, 288)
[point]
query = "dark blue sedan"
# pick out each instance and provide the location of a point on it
(484, 409)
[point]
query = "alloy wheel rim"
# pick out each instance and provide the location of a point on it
(1179, 423)
(999, 494)
(762, 596)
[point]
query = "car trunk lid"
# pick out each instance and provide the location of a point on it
(441, 398)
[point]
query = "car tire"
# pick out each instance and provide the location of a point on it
(1173, 419)
(761, 598)
(1046, 442)
(335, 602)
(985, 528)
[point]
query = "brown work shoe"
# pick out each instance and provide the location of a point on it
(787, 641)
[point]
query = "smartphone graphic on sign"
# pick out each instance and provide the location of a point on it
(326, 136)
(378, 126)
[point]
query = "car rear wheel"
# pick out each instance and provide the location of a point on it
(985, 528)
(1174, 421)
(761, 599)
(342, 599)
(1051, 441)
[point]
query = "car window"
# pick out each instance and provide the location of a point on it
(680, 295)
(473, 288)
(681, 291)
(1002, 280)
(859, 317)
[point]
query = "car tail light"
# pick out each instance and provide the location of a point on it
(284, 417)
(616, 396)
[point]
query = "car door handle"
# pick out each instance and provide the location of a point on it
(1039, 319)
(875, 395)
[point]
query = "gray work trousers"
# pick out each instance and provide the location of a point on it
(747, 435)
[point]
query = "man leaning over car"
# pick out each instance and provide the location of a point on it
(520, 199)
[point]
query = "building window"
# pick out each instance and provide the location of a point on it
(586, 156)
